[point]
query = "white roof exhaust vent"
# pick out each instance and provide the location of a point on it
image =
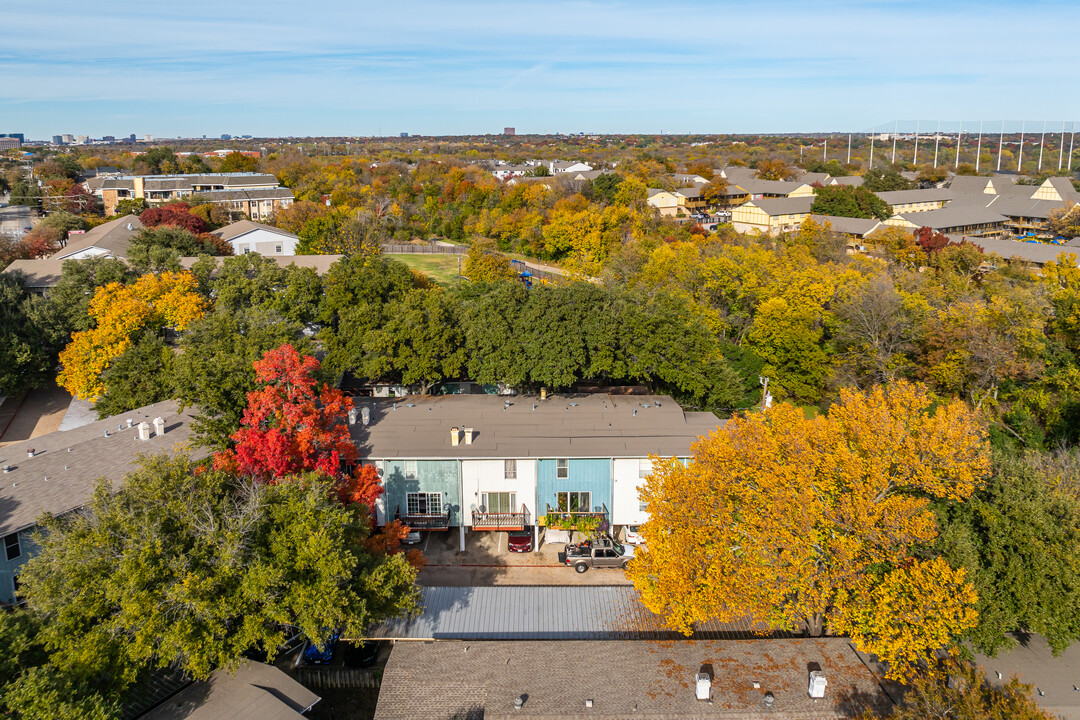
(818, 681)
(703, 683)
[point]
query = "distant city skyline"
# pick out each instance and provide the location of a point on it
(274, 69)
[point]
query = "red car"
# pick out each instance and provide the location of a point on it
(519, 541)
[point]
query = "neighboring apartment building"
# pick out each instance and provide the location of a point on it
(246, 236)
(158, 189)
(769, 216)
(484, 462)
(912, 201)
(57, 472)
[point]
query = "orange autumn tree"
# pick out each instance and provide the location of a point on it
(290, 425)
(801, 523)
(120, 312)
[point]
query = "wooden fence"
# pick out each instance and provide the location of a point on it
(405, 249)
(339, 677)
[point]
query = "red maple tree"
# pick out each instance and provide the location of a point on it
(364, 486)
(177, 214)
(289, 425)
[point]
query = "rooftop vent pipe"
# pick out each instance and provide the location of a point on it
(817, 684)
(703, 683)
(144, 431)
(30, 452)
(159, 426)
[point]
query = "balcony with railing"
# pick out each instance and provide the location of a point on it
(580, 519)
(499, 521)
(423, 521)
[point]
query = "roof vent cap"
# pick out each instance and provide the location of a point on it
(817, 684)
(703, 683)
(30, 452)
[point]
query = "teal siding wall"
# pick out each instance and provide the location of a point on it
(592, 476)
(431, 476)
(9, 568)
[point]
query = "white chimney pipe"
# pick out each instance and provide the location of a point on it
(159, 426)
(144, 431)
(454, 439)
(468, 436)
(817, 684)
(30, 452)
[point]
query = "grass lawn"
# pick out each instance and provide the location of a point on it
(441, 269)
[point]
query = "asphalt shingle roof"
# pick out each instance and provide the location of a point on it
(255, 692)
(67, 464)
(576, 426)
(624, 680)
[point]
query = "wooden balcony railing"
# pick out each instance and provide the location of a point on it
(500, 520)
(424, 521)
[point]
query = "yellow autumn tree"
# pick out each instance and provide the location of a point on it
(777, 517)
(908, 614)
(119, 311)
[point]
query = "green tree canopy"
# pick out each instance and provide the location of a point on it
(850, 201)
(213, 370)
(195, 568)
(1019, 538)
(885, 179)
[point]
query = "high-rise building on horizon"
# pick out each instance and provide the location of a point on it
(509, 131)
(18, 136)
(9, 143)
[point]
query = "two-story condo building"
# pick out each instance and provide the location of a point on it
(484, 462)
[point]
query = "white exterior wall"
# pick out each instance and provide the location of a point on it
(626, 505)
(263, 242)
(480, 476)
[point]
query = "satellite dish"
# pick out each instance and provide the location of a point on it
(447, 507)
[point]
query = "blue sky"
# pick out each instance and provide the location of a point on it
(269, 68)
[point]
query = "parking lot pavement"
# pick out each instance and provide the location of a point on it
(486, 561)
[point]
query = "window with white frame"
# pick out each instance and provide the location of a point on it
(410, 470)
(510, 469)
(499, 502)
(12, 549)
(574, 501)
(277, 249)
(423, 503)
(644, 467)
(562, 469)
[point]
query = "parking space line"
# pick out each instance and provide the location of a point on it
(427, 539)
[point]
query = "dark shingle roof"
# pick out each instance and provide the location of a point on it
(624, 680)
(272, 193)
(903, 197)
(578, 426)
(255, 692)
(67, 464)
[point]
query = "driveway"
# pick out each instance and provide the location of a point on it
(486, 561)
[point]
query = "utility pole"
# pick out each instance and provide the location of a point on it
(1072, 136)
(1020, 156)
(766, 398)
(1061, 147)
(937, 141)
(825, 150)
(849, 148)
(895, 132)
(959, 141)
(978, 148)
(1041, 138)
(1001, 145)
(872, 150)
(915, 160)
